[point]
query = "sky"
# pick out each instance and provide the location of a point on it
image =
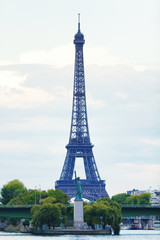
(122, 74)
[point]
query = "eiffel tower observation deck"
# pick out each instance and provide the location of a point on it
(79, 145)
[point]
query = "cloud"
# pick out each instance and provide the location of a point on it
(11, 79)
(58, 56)
(129, 175)
(4, 63)
(24, 98)
(155, 142)
(14, 94)
(97, 103)
(14, 145)
(149, 172)
(100, 55)
(64, 55)
(121, 95)
(38, 123)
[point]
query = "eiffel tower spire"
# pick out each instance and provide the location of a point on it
(79, 145)
(79, 22)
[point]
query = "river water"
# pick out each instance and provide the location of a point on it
(124, 235)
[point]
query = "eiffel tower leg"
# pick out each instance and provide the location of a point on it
(68, 167)
(90, 166)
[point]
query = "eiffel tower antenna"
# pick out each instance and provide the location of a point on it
(79, 145)
(79, 22)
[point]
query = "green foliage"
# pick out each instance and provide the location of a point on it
(59, 195)
(143, 198)
(120, 198)
(133, 199)
(109, 202)
(35, 208)
(46, 214)
(28, 197)
(63, 210)
(15, 193)
(48, 200)
(108, 209)
(14, 221)
(52, 202)
(123, 198)
(12, 190)
(26, 222)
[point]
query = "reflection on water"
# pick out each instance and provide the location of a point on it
(124, 235)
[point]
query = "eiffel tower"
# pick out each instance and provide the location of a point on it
(79, 145)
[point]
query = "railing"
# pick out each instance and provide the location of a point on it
(123, 206)
(17, 206)
(139, 206)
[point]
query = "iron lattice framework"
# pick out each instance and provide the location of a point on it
(79, 145)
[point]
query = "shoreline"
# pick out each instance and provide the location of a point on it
(71, 232)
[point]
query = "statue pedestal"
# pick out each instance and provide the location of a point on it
(78, 214)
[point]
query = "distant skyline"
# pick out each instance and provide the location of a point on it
(122, 73)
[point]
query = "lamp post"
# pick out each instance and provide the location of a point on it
(35, 196)
(40, 195)
(101, 217)
(61, 225)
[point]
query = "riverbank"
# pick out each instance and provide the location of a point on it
(73, 231)
(19, 228)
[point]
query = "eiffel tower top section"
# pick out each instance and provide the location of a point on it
(79, 133)
(79, 37)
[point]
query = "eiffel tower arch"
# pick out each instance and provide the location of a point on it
(79, 145)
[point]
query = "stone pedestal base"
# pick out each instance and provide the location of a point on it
(78, 214)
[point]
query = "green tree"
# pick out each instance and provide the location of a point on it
(63, 210)
(108, 209)
(14, 221)
(37, 219)
(133, 199)
(15, 192)
(46, 214)
(120, 198)
(59, 195)
(48, 200)
(144, 198)
(92, 214)
(35, 208)
(11, 190)
(115, 212)
(26, 222)
(28, 197)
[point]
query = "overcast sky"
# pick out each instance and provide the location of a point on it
(122, 72)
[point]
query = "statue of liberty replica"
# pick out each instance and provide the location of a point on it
(78, 188)
(78, 204)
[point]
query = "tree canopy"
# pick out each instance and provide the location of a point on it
(143, 198)
(48, 214)
(15, 193)
(123, 198)
(58, 195)
(120, 198)
(107, 210)
(11, 190)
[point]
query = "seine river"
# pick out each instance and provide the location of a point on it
(125, 235)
